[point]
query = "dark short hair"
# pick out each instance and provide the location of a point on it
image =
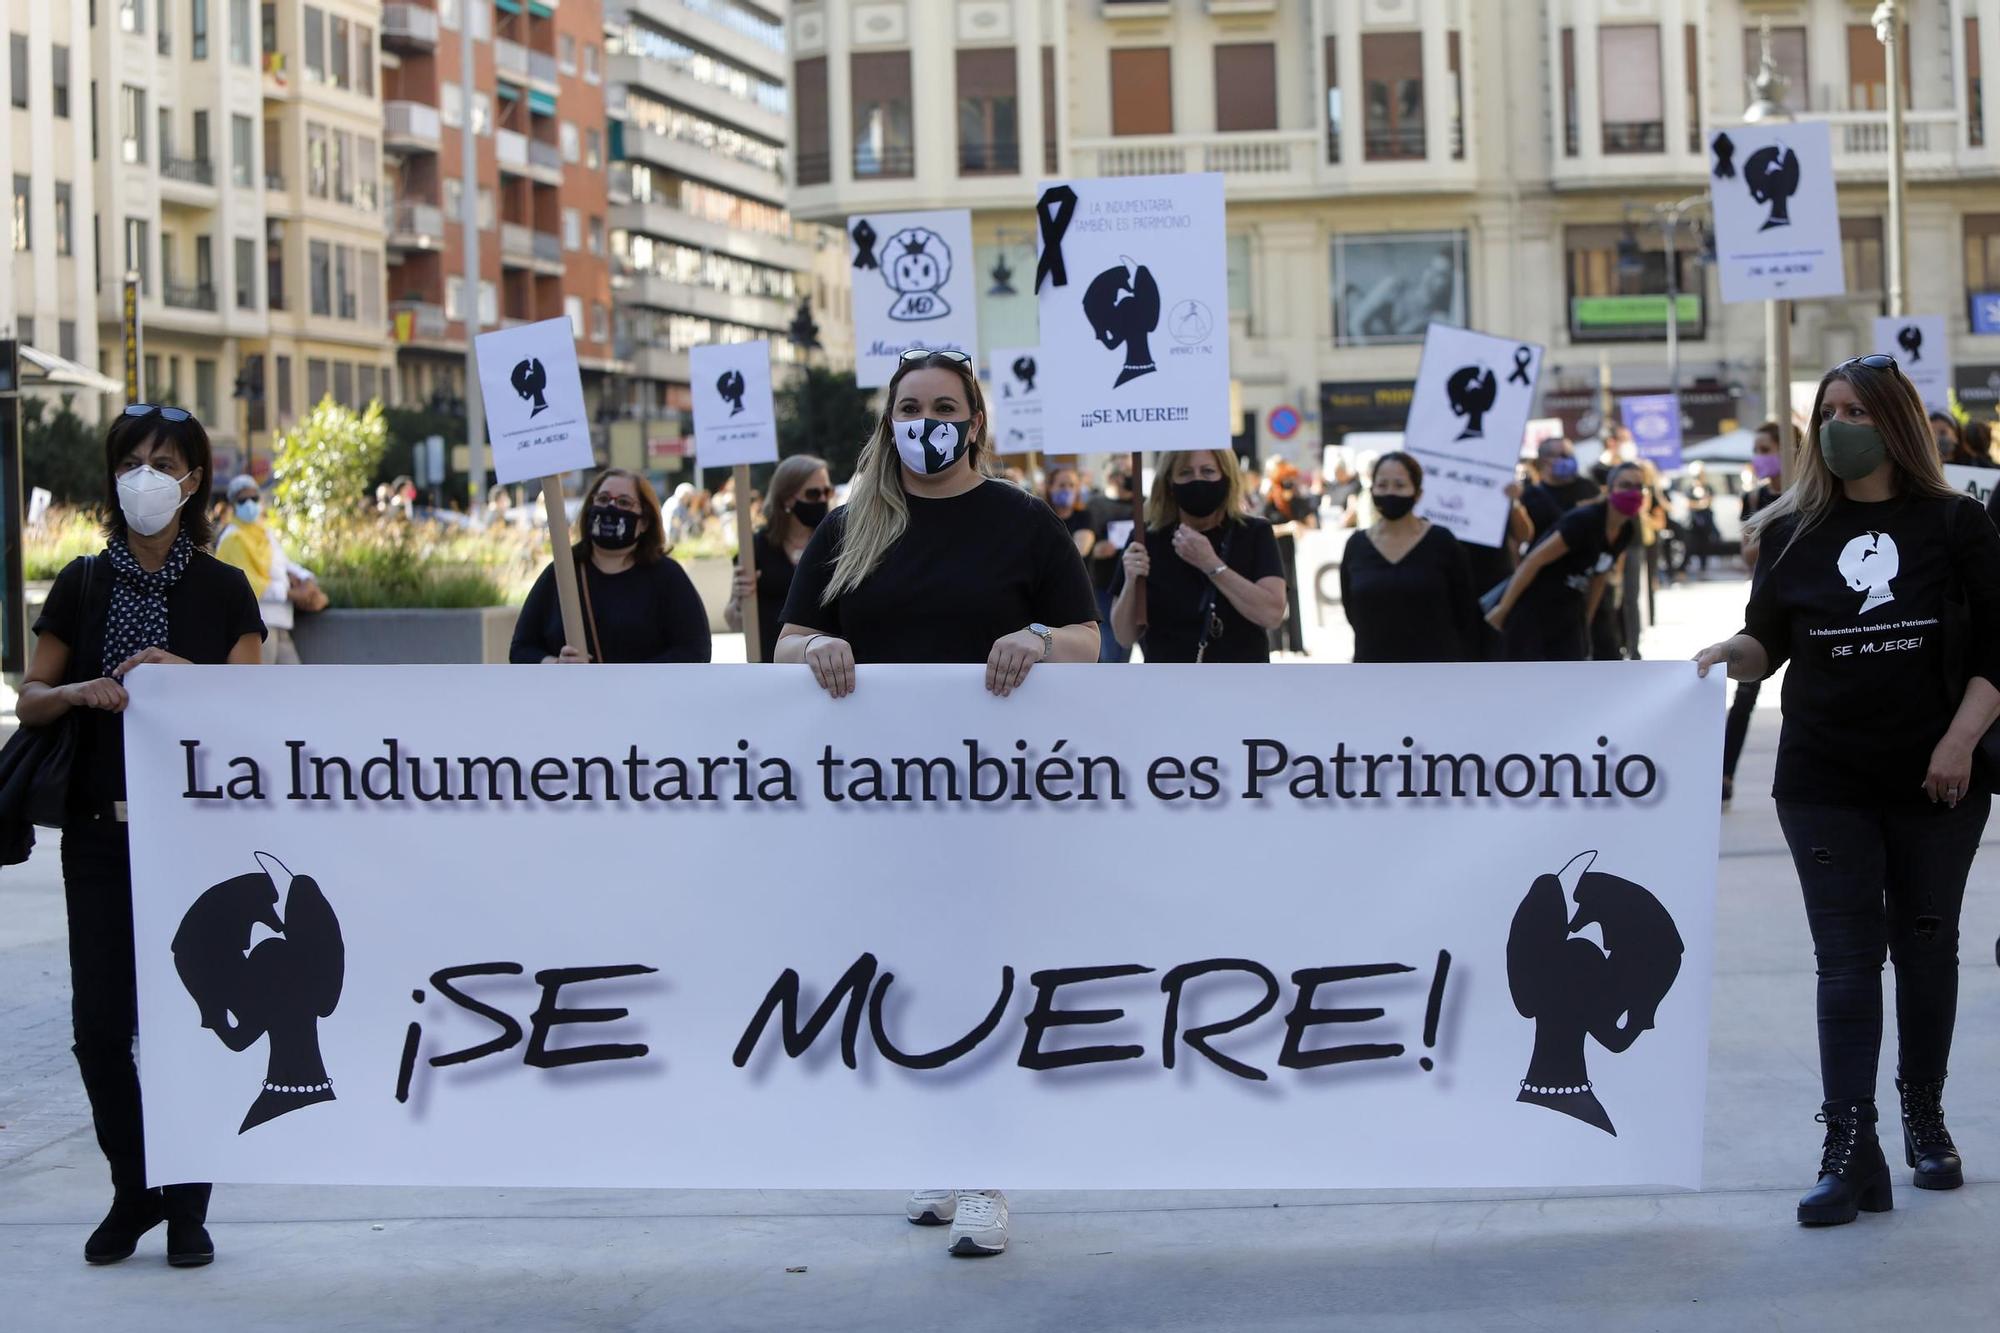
(1946, 419)
(1774, 430)
(128, 433)
(1404, 461)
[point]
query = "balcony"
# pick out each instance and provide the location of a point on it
(686, 158)
(542, 70)
(1930, 142)
(614, 101)
(200, 296)
(510, 59)
(772, 313)
(188, 170)
(425, 321)
(416, 226)
(1259, 164)
(548, 249)
(545, 162)
(655, 218)
(517, 244)
(409, 28)
(669, 84)
(411, 127)
(511, 148)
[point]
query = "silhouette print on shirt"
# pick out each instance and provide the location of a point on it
(730, 385)
(280, 989)
(1472, 390)
(1123, 307)
(1868, 563)
(1772, 173)
(1573, 988)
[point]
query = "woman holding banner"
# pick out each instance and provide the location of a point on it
(1404, 582)
(154, 595)
(1881, 585)
(798, 500)
(1563, 579)
(1214, 584)
(638, 604)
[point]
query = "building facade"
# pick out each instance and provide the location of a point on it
(1391, 162)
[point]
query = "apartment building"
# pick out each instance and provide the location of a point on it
(1391, 162)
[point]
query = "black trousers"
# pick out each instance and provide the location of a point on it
(1884, 881)
(104, 1004)
(1737, 728)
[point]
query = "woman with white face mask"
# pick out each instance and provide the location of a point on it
(154, 595)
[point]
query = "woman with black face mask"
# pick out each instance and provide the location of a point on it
(1405, 583)
(799, 499)
(638, 605)
(1214, 585)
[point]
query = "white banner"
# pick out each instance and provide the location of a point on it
(1976, 482)
(1777, 220)
(1922, 347)
(536, 420)
(469, 925)
(1133, 280)
(1014, 399)
(1468, 417)
(734, 419)
(913, 287)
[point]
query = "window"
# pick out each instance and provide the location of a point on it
(204, 388)
(343, 383)
(600, 322)
(1246, 87)
(988, 125)
(24, 329)
(482, 20)
(568, 138)
(151, 383)
(1868, 69)
(166, 139)
(267, 25)
(93, 120)
(246, 273)
(315, 382)
(132, 123)
(572, 229)
(489, 305)
(482, 113)
(1388, 287)
(1691, 78)
(590, 71)
(343, 281)
(1982, 252)
(1454, 71)
(59, 80)
(454, 199)
(364, 60)
(367, 174)
(22, 238)
(1049, 152)
(169, 271)
(338, 42)
(1236, 251)
(274, 156)
(1631, 103)
(1332, 101)
(1570, 130)
(809, 96)
(566, 53)
(65, 221)
(884, 144)
(66, 339)
(17, 68)
(138, 253)
(365, 378)
(284, 378)
(454, 298)
(370, 277)
(597, 236)
(1861, 256)
(316, 177)
(243, 150)
(198, 40)
(241, 52)
(593, 149)
(204, 266)
(451, 104)
(1142, 99)
(163, 25)
(1975, 88)
(274, 265)
(201, 141)
(448, 15)
(1392, 70)
(131, 16)
(573, 311)
(313, 21)
(483, 204)
(319, 268)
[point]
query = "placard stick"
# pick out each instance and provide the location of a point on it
(572, 609)
(1138, 530)
(746, 561)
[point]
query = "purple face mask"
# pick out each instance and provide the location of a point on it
(1766, 466)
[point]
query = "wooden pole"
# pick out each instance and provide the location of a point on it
(746, 561)
(1138, 482)
(572, 608)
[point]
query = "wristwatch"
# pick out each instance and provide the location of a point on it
(1046, 635)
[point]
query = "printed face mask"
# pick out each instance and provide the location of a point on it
(1394, 506)
(812, 513)
(247, 511)
(1199, 499)
(930, 446)
(613, 528)
(1628, 503)
(1851, 451)
(149, 499)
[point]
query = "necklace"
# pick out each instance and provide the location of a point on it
(1542, 1090)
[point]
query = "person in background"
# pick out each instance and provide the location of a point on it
(1979, 444)
(1767, 466)
(1404, 582)
(801, 496)
(1062, 492)
(1703, 536)
(154, 595)
(1875, 786)
(1342, 487)
(1214, 584)
(282, 587)
(1562, 581)
(638, 604)
(1950, 442)
(1112, 506)
(1559, 487)
(1292, 508)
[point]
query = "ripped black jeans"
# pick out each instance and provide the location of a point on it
(1884, 882)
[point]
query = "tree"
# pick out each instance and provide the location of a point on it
(326, 467)
(825, 412)
(61, 452)
(408, 428)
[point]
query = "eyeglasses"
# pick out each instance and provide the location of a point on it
(813, 494)
(1874, 361)
(925, 354)
(174, 414)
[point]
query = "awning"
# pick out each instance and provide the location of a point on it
(507, 6)
(541, 103)
(46, 370)
(541, 11)
(507, 92)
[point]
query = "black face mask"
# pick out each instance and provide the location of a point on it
(612, 528)
(1199, 499)
(810, 512)
(1393, 507)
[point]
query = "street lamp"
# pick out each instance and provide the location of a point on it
(1669, 216)
(1888, 30)
(1769, 87)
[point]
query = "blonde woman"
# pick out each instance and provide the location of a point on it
(798, 500)
(1863, 560)
(1215, 586)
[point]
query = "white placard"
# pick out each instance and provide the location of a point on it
(1922, 347)
(536, 420)
(1977, 482)
(1777, 217)
(1133, 283)
(482, 949)
(914, 286)
(1014, 399)
(1468, 416)
(734, 418)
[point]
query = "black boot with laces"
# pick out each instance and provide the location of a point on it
(1853, 1175)
(1927, 1144)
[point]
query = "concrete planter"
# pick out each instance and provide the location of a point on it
(387, 637)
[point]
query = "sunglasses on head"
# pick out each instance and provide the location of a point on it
(174, 414)
(925, 354)
(1874, 361)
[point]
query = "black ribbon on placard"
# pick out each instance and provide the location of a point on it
(864, 241)
(1054, 211)
(1725, 152)
(1522, 356)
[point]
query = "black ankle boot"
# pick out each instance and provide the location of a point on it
(1927, 1144)
(186, 1208)
(131, 1216)
(1853, 1175)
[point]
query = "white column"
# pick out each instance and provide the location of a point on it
(1347, 54)
(840, 96)
(1674, 79)
(1589, 112)
(1028, 39)
(1437, 82)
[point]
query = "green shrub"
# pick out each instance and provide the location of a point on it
(62, 536)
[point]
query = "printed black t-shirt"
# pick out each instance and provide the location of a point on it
(1547, 501)
(1175, 590)
(1565, 582)
(1858, 606)
(967, 571)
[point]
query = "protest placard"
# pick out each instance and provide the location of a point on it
(1468, 416)
(1777, 217)
(912, 277)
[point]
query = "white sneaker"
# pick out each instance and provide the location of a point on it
(932, 1208)
(981, 1224)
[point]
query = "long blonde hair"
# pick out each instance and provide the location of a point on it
(877, 512)
(1897, 411)
(1163, 511)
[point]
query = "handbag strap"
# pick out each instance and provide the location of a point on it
(89, 643)
(1205, 618)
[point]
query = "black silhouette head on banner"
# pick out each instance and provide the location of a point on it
(1024, 373)
(1725, 154)
(1772, 175)
(280, 989)
(916, 265)
(1472, 390)
(864, 244)
(529, 379)
(1911, 339)
(1572, 988)
(1123, 307)
(730, 385)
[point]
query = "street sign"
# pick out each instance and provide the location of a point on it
(1986, 312)
(1282, 422)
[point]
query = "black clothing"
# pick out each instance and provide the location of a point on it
(1547, 623)
(1736, 728)
(967, 571)
(1419, 609)
(1857, 604)
(1104, 511)
(774, 584)
(1762, 496)
(647, 613)
(1547, 501)
(1886, 880)
(1291, 636)
(1175, 591)
(209, 608)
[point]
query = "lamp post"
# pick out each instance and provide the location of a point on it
(1888, 30)
(1769, 89)
(1669, 217)
(475, 403)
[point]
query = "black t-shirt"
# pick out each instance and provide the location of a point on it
(1563, 586)
(1858, 605)
(647, 613)
(1418, 609)
(1759, 497)
(1175, 591)
(209, 608)
(1547, 502)
(1104, 511)
(967, 572)
(774, 584)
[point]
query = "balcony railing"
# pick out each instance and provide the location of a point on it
(517, 240)
(989, 159)
(619, 182)
(411, 123)
(1646, 136)
(510, 57)
(200, 296)
(414, 218)
(511, 148)
(426, 319)
(548, 247)
(190, 170)
(1394, 143)
(544, 155)
(1275, 155)
(871, 163)
(814, 168)
(409, 27)
(541, 67)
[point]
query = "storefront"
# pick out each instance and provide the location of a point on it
(1979, 391)
(1347, 406)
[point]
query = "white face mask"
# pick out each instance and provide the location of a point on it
(929, 446)
(149, 499)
